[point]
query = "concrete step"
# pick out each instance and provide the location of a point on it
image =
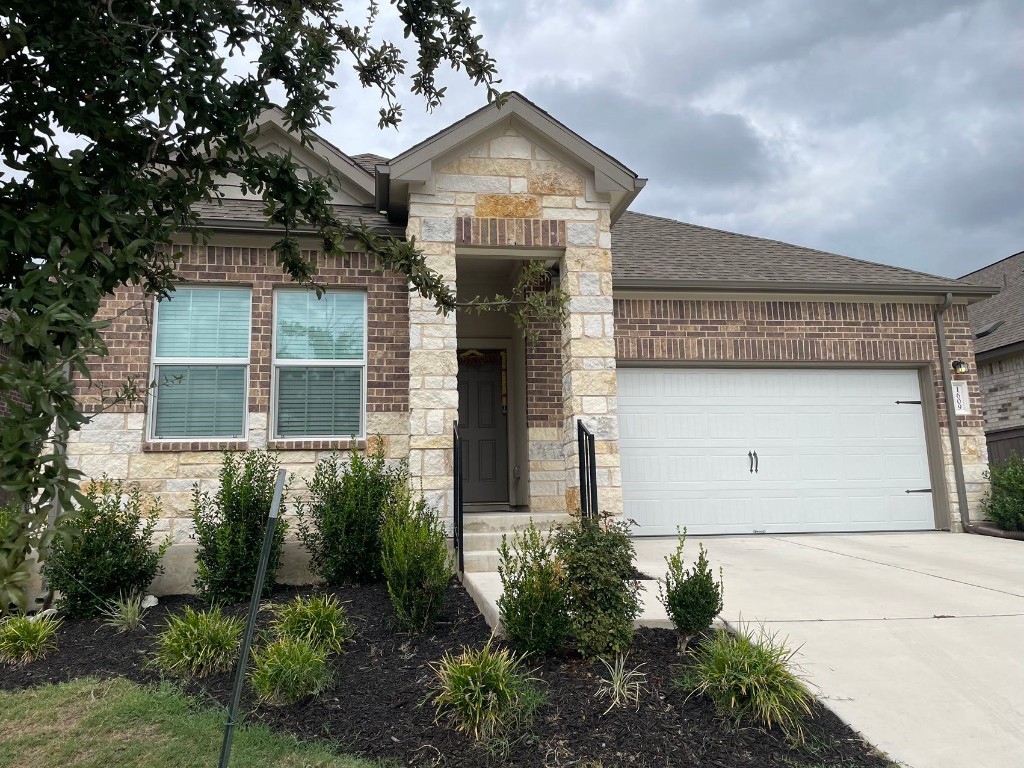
(482, 562)
(490, 522)
(491, 540)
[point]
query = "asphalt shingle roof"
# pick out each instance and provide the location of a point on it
(250, 213)
(368, 161)
(654, 249)
(1007, 307)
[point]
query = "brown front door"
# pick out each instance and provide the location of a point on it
(483, 427)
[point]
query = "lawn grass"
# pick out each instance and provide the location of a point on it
(89, 723)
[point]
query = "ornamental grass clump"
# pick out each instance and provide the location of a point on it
(1004, 504)
(125, 613)
(750, 678)
(289, 669)
(105, 549)
(691, 596)
(602, 595)
(624, 684)
(23, 639)
(230, 526)
(484, 693)
(199, 643)
(319, 620)
(415, 560)
(532, 605)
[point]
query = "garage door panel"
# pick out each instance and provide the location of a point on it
(835, 451)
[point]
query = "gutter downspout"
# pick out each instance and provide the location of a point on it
(954, 430)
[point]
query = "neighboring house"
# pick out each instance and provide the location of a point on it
(998, 325)
(734, 384)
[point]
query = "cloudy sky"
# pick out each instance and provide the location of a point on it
(889, 130)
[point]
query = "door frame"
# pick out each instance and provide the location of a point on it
(511, 384)
(929, 408)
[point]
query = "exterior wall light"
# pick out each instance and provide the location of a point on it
(959, 367)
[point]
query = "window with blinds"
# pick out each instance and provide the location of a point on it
(319, 364)
(200, 364)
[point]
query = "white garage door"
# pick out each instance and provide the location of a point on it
(772, 450)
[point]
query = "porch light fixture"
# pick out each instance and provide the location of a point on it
(959, 367)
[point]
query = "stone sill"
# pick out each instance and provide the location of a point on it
(195, 446)
(358, 444)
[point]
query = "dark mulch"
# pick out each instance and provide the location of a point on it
(376, 708)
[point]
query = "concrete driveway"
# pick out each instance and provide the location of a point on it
(916, 640)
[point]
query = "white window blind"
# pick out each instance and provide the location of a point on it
(319, 364)
(201, 363)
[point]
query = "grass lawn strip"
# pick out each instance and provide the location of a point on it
(90, 723)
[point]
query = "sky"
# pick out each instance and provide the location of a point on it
(886, 130)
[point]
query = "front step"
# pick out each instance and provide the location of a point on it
(483, 532)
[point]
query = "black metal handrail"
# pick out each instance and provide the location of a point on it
(588, 471)
(458, 522)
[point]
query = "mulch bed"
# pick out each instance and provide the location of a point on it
(377, 707)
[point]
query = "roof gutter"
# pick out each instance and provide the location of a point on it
(951, 418)
(773, 286)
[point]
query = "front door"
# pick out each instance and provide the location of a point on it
(483, 427)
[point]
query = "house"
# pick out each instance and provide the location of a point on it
(733, 384)
(998, 325)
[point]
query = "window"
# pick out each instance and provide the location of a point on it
(201, 364)
(319, 364)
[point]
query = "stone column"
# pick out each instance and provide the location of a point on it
(588, 359)
(433, 365)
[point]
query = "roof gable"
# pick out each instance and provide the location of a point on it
(354, 185)
(416, 167)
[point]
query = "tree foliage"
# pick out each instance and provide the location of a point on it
(158, 97)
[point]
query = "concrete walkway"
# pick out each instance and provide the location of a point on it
(916, 640)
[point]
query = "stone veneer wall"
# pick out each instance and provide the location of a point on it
(1002, 388)
(814, 332)
(114, 441)
(512, 194)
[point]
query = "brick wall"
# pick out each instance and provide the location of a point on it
(128, 336)
(544, 377)
(1002, 388)
(784, 331)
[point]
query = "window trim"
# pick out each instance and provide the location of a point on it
(155, 362)
(275, 365)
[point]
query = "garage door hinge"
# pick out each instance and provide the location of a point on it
(908, 402)
(757, 531)
(919, 490)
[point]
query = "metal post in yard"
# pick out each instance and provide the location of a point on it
(254, 606)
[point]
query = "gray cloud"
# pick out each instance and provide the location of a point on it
(892, 131)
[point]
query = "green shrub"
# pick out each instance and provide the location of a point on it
(231, 524)
(106, 550)
(602, 595)
(1004, 504)
(124, 614)
(16, 533)
(415, 560)
(340, 523)
(484, 693)
(289, 669)
(692, 598)
(750, 678)
(199, 643)
(24, 639)
(532, 605)
(319, 620)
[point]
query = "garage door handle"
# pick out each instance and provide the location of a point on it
(757, 462)
(750, 458)
(919, 490)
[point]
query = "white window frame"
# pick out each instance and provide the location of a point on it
(276, 365)
(155, 362)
